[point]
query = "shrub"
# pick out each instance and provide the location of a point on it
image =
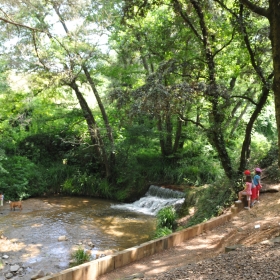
(212, 201)
(166, 218)
(160, 232)
(271, 156)
(16, 179)
(80, 256)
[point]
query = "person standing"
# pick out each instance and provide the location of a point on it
(1, 199)
(257, 183)
(253, 189)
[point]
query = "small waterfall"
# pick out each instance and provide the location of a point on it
(155, 199)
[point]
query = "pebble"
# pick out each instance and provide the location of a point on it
(9, 275)
(62, 238)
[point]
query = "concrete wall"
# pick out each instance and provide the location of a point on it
(93, 269)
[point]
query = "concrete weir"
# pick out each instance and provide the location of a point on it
(92, 270)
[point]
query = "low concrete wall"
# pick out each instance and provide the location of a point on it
(91, 270)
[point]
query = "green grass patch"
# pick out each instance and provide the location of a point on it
(80, 256)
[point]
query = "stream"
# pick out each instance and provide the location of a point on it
(34, 231)
(31, 236)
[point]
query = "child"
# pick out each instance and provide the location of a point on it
(253, 189)
(247, 172)
(257, 183)
(247, 191)
(1, 199)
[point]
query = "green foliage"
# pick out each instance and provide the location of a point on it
(154, 73)
(270, 163)
(166, 217)
(15, 182)
(166, 221)
(212, 201)
(271, 157)
(273, 173)
(44, 148)
(192, 195)
(80, 256)
(161, 232)
(50, 178)
(260, 147)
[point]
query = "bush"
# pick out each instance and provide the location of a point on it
(80, 256)
(16, 179)
(212, 202)
(166, 218)
(271, 156)
(160, 232)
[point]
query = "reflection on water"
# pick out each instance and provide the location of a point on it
(82, 220)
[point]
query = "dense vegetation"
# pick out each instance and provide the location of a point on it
(104, 98)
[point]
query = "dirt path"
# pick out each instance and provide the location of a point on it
(261, 223)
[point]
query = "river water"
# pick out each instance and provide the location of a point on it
(35, 230)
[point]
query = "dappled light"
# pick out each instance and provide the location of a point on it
(37, 225)
(112, 111)
(33, 233)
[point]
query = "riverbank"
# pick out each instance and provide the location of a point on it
(195, 259)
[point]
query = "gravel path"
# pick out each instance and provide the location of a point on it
(254, 262)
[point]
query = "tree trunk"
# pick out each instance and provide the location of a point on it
(93, 129)
(104, 115)
(161, 135)
(245, 152)
(274, 20)
(273, 15)
(178, 139)
(168, 138)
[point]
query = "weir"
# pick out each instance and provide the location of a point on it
(155, 199)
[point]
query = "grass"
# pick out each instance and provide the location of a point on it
(80, 256)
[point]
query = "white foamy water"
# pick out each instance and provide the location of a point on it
(155, 199)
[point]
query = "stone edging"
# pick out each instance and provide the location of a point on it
(92, 270)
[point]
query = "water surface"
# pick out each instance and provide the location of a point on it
(37, 227)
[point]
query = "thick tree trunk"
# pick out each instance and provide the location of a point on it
(215, 132)
(104, 116)
(93, 129)
(273, 15)
(274, 19)
(245, 152)
(216, 138)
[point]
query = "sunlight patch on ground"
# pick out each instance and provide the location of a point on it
(37, 225)
(13, 246)
(32, 252)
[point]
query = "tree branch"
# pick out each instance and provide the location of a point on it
(245, 97)
(21, 25)
(178, 7)
(182, 118)
(255, 8)
(224, 46)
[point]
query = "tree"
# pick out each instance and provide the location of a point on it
(155, 51)
(214, 38)
(272, 13)
(68, 59)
